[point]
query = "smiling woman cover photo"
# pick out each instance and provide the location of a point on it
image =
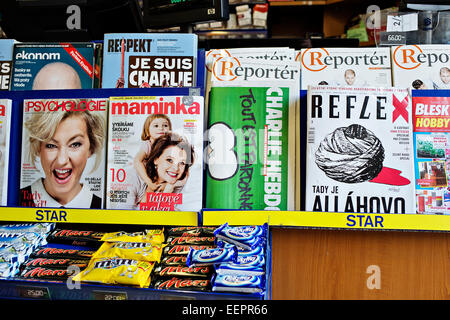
(63, 154)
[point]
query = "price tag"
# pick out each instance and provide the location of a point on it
(392, 38)
(109, 295)
(32, 292)
(403, 23)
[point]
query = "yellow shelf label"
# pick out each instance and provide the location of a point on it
(335, 220)
(212, 218)
(178, 218)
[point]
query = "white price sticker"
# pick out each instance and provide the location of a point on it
(404, 23)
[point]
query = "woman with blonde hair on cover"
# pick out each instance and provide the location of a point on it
(64, 141)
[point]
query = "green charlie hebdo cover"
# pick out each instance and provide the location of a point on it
(247, 153)
(251, 143)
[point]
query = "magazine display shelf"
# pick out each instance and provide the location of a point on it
(23, 289)
(51, 290)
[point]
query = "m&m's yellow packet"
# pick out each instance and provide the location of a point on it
(152, 235)
(142, 251)
(117, 271)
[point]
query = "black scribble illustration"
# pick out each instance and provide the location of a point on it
(350, 154)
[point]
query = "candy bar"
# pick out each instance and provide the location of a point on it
(42, 273)
(173, 241)
(45, 227)
(76, 237)
(245, 265)
(238, 283)
(174, 260)
(155, 236)
(9, 255)
(230, 269)
(143, 251)
(62, 253)
(247, 237)
(117, 271)
(8, 269)
(14, 252)
(183, 284)
(33, 238)
(181, 271)
(182, 250)
(54, 263)
(259, 250)
(211, 256)
(191, 231)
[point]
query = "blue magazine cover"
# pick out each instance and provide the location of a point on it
(6, 54)
(145, 60)
(45, 66)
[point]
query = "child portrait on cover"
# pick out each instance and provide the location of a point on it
(63, 141)
(167, 166)
(154, 126)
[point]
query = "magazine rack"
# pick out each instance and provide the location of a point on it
(23, 289)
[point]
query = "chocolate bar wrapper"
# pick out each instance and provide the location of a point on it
(182, 284)
(14, 252)
(174, 260)
(8, 269)
(245, 265)
(155, 236)
(247, 237)
(90, 239)
(228, 269)
(173, 241)
(42, 273)
(238, 283)
(191, 231)
(57, 253)
(60, 263)
(182, 271)
(44, 227)
(117, 271)
(182, 249)
(34, 239)
(142, 251)
(259, 250)
(211, 256)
